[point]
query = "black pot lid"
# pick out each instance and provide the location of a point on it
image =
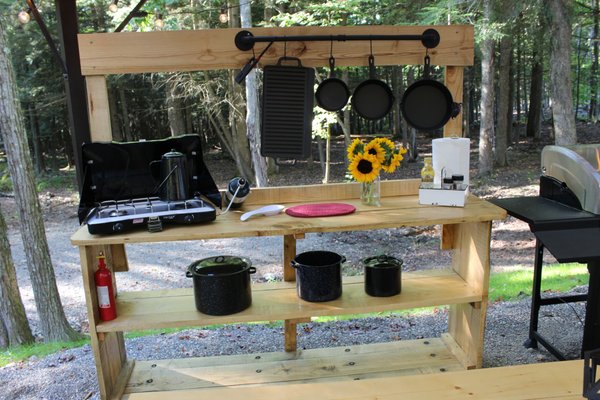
(226, 263)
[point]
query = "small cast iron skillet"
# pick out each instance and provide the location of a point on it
(332, 94)
(372, 99)
(427, 104)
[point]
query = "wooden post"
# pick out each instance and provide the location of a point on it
(98, 108)
(109, 347)
(466, 322)
(454, 83)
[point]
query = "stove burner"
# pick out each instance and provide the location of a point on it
(115, 213)
(114, 216)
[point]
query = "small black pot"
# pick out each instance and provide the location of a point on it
(318, 275)
(221, 284)
(383, 276)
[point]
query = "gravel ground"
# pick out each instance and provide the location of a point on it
(70, 374)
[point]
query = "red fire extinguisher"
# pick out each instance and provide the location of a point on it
(106, 295)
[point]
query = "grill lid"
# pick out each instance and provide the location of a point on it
(578, 167)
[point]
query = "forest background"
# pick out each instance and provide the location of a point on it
(520, 78)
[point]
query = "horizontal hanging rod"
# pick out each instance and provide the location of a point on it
(245, 40)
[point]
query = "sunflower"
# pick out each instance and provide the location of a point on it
(375, 149)
(394, 163)
(355, 147)
(387, 144)
(364, 167)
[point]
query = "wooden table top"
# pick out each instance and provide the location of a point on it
(395, 211)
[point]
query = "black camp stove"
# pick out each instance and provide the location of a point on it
(565, 219)
(120, 188)
(113, 216)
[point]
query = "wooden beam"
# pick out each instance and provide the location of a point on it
(193, 50)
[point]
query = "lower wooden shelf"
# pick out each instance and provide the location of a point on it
(545, 381)
(152, 379)
(275, 302)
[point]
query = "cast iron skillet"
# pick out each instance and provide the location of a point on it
(427, 104)
(372, 99)
(332, 94)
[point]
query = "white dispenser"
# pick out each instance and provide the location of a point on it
(450, 157)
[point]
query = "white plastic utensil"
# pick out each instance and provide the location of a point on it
(272, 209)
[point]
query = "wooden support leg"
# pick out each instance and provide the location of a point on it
(448, 232)
(471, 261)
(290, 331)
(289, 252)
(110, 356)
(289, 275)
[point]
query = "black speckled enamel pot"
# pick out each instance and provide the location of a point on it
(383, 276)
(221, 284)
(318, 275)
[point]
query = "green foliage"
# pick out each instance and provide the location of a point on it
(505, 286)
(22, 353)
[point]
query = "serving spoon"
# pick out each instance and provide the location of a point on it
(272, 209)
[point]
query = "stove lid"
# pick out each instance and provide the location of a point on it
(121, 171)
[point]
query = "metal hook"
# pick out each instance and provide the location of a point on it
(371, 46)
(285, 49)
(331, 49)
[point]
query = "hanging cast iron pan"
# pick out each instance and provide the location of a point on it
(427, 104)
(332, 94)
(372, 99)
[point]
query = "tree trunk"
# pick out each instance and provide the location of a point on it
(593, 113)
(174, 107)
(518, 95)
(53, 322)
(504, 123)
(327, 156)
(35, 137)
(115, 119)
(560, 73)
(127, 136)
(486, 131)
(253, 110)
(12, 311)
(3, 335)
(534, 117)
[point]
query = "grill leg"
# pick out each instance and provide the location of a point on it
(536, 295)
(591, 330)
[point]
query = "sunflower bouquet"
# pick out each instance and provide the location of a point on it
(368, 160)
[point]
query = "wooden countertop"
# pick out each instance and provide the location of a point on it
(399, 207)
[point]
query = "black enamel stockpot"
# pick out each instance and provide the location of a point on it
(318, 275)
(221, 284)
(383, 276)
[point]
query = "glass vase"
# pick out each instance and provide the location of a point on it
(370, 192)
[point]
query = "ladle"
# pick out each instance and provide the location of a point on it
(272, 209)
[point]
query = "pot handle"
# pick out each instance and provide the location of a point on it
(294, 264)
(372, 73)
(188, 272)
(252, 270)
(343, 260)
